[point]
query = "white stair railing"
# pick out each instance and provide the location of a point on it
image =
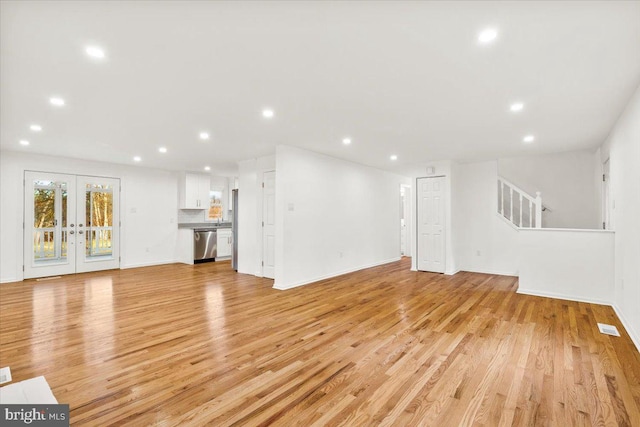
(517, 206)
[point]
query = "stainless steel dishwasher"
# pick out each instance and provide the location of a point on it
(205, 245)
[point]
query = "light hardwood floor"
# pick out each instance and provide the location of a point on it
(202, 345)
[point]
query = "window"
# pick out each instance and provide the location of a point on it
(215, 206)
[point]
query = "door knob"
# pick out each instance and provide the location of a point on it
(80, 232)
(71, 232)
(79, 225)
(71, 225)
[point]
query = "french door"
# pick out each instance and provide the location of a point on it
(71, 224)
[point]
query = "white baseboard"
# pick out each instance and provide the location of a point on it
(493, 272)
(451, 273)
(554, 295)
(635, 335)
(149, 264)
(329, 276)
(122, 267)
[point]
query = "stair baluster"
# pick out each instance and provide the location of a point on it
(535, 205)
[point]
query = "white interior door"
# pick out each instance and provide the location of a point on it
(71, 224)
(269, 224)
(431, 224)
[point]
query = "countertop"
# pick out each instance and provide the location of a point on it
(194, 225)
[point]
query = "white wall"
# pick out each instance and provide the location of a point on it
(332, 216)
(149, 205)
(250, 213)
(623, 149)
(569, 264)
(484, 242)
(566, 183)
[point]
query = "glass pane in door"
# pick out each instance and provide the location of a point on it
(99, 220)
(64, 235)
(49, 221)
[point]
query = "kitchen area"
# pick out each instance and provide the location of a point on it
(206, 226)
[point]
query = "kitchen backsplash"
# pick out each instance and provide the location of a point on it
(186, 216)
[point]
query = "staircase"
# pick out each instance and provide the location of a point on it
(517, 207)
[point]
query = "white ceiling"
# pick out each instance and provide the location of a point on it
(405, 78)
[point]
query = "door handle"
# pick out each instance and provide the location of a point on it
(80, 232)
(71, 232)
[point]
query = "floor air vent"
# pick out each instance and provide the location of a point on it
(5, 375)
(608, 329)
(48, 278)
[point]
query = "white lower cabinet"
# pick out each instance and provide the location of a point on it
(224, 243)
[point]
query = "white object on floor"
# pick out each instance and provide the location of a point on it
(5, 375)
(608, 329)
(35, 391)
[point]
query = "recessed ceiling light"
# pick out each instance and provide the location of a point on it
(162, 149)
(393, 157)
(487, 36)
(518, 106)
(95, 52)
(528, 139)
(207, 168)
(204, 135)
(58, 102)
(35, 128)
(346, 141)
(268, 113)
(137, 159)
(24, 142)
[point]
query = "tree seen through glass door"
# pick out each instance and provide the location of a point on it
(49, 220)
(99, 219)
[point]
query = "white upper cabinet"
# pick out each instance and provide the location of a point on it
(194, 191)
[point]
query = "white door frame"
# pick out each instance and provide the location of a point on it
(268, 224)
(606, 196)
(434, 267)
(407, 219)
